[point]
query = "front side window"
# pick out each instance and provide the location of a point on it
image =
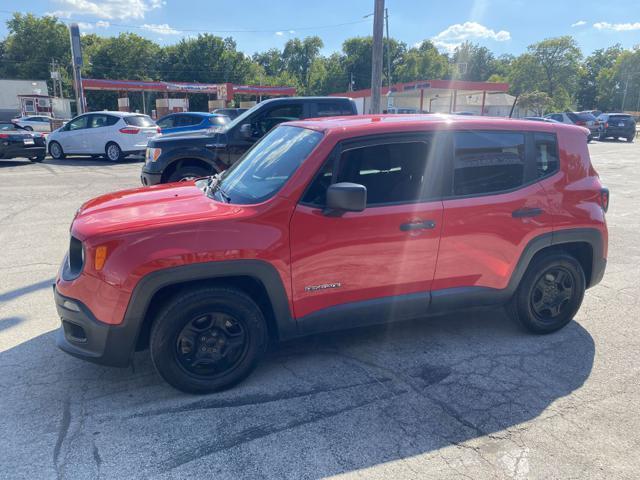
(166, 122)
(264, 169)
(487, 162)
(331, 109)
(393, 173)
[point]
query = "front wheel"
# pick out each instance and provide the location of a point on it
(55, 149)
(28, 128)
(113, 152)
(188, 173)
(208, 339)
(550, 293)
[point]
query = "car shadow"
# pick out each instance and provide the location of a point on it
(72, 161)
(316, 407)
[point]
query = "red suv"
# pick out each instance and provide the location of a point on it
(332, 224)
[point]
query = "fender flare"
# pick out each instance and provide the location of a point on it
(259, 270)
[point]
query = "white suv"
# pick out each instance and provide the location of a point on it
(113, 134)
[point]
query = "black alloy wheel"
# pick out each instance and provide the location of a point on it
(211, 344)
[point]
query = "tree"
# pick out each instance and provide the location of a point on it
(595, 63)
(30, 46)
(612, 82)
(559, 59)
(424, 62)
(537, 102)
(479, 61)
(298, 57)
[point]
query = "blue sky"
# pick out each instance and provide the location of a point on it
(505, 26)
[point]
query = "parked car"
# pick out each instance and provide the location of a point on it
(112, 134)
(190, 121)
(36, 123)
(176, 158)
(17, 141)
(616, 125)
(232, 113)
(595, 113)
(541, 119)
(331, 224)
(582, 119)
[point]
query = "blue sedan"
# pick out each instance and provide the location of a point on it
(190, 121)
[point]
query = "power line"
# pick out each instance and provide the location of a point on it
(204, 30)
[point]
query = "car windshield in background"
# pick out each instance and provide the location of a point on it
(220, 120)
(264, 169)
(581, 117)
(139, 121)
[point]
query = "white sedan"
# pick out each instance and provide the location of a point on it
(35, 123)
(112, 134)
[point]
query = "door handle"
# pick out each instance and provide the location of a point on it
(426, 225)
(527, 212)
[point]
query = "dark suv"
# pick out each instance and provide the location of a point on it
(617, 125)
(179, 158)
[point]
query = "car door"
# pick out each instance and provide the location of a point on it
(167, 123)
(97, 132)
(493, 206)
(71, 136)
(380, 260)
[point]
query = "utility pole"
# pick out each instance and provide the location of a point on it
(386, 22)
(376, 56)
(624, 95)
(54, 73)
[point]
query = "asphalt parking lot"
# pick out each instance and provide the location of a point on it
(468, 395)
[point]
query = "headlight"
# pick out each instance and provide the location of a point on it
(153, 154)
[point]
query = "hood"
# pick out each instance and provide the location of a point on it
(142, 208)
(187, 139)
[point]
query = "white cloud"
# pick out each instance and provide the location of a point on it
(454, 35)
(617, 27)
(162, 29)
(107, 9)
(579, 23)
(279, 34)
(85, 26)
(102, 24)
(291, 32)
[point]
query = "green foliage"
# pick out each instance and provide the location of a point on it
(549, 75)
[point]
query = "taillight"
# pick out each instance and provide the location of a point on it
(581, 123)
(158, 129)
(130, 130)
(606, 124)
(604, 198)
(4, 135)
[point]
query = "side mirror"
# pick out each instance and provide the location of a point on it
(246, 131)
(345, 197)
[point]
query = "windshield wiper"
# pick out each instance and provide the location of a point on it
(225, 196)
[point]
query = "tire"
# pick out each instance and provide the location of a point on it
(525, 305)
(29, 128)
(37, 159)
(602, 137)
(219, 317)
(589, 138)
(113, 152)
(630, 139)
(55, 150)
(184, 174)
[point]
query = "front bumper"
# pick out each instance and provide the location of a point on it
(150, 178)
(85, 337)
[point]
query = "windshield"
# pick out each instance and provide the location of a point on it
(264, 169)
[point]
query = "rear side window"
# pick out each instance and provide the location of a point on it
(546, 148)
(332, 109)
(139, 121)
(221, 120)
(487, 162)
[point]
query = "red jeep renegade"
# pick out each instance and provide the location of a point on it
(333, 224)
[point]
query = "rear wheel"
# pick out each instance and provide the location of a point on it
(55, 149)
(602, 137)
(37, 159)
(187, 173)
(550, 293)
(113, 152)
(630, 139)
(29, 128)
(208, 339)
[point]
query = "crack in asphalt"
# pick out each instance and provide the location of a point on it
(62, 434)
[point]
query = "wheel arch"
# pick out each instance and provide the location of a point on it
(585, 244)
(257, 278)
(181, 162)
